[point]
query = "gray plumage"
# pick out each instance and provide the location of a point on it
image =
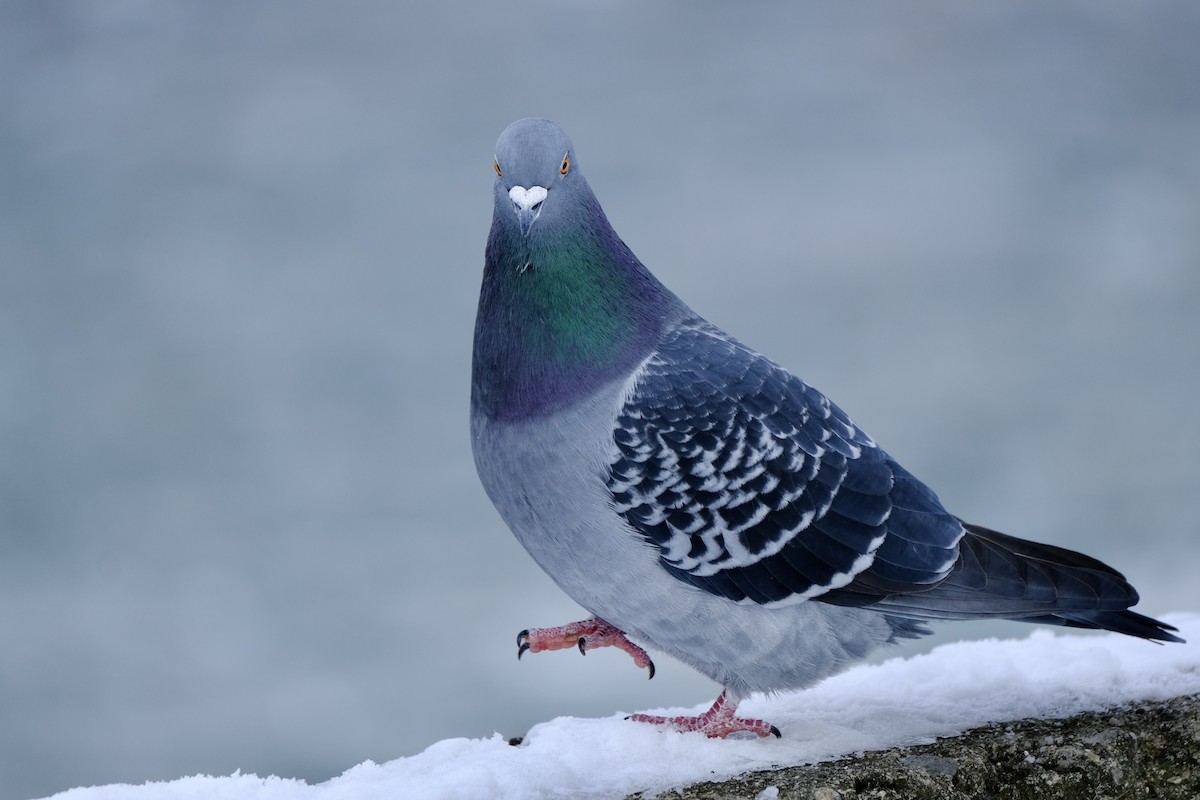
(698, 496)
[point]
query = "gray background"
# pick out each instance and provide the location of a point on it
(240, 246)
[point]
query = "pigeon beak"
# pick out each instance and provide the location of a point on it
(528, 204)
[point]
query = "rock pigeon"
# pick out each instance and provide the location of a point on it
(695, 496)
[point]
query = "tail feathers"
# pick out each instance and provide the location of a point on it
(1003, 577)
(1127, 622)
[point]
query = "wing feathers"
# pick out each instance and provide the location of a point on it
(753, 485)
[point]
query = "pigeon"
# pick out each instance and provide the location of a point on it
(694, 496)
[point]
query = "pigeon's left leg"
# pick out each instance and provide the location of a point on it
(717, 722)
(587, 635)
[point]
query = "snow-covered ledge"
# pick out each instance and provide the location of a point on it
(1146, 748)
(903, 701)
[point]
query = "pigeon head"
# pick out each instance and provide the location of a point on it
(536, 174)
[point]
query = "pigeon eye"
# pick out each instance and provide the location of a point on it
(496, 166)
(566, 164)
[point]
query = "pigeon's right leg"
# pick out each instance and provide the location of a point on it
(587, 635)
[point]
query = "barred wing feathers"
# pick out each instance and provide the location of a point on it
(755, 487)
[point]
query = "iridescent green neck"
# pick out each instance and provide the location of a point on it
(559, 316)
(574, 304)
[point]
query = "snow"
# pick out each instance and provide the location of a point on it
(901, 701)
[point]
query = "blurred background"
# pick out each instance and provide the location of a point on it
(240, 246)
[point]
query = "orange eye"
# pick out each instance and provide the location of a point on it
(566, 164)
(496, 166)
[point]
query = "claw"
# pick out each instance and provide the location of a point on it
(522, 643)
(650, 665)
(775, 732)
(583, 645)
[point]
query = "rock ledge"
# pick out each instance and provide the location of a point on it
(1142, 750)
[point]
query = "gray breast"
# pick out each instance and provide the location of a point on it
(548, 479)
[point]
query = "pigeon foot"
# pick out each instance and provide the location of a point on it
(587, 635)
(716, 723)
